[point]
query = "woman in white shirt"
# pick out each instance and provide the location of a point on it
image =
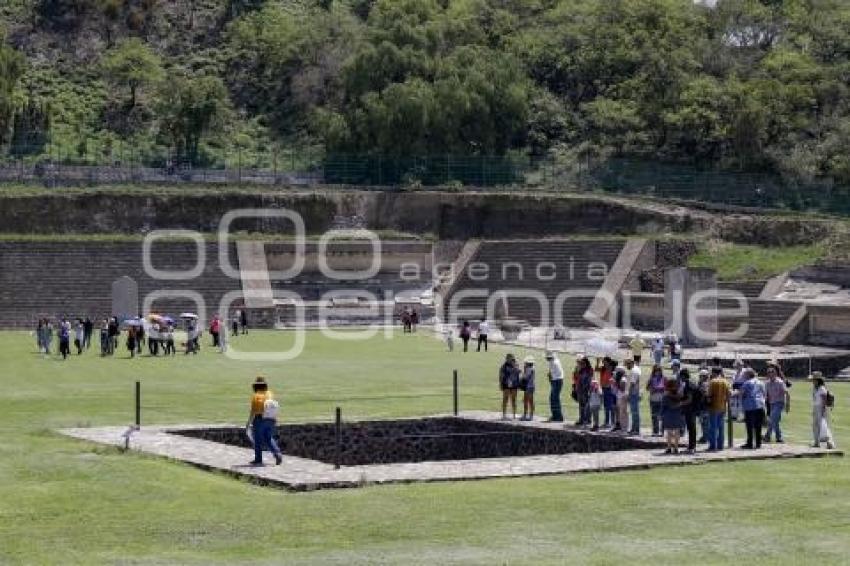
(820, 424)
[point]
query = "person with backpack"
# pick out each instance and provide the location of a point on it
(822, 401)
(509, 383)
(692, 403)
(527, 384)
(263, 421)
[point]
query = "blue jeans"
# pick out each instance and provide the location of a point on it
(634, 409)
(555, 399)
(609, 402)
(655, 411)
(715, 431)
(657, 355)
(264, 437)
(773, 423)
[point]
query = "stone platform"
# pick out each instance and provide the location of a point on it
(797, 361)
(301, 474)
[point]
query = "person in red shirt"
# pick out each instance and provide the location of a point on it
(605, 369)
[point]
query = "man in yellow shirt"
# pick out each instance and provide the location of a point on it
(718, 399)
(263, 419)
(637, 346)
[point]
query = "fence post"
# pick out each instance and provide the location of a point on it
(729, 426)
(454, 390)
(338, 438)
(138, 404)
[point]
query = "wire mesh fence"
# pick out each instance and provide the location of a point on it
(513, 171)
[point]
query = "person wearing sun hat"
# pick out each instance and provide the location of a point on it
(820, 406)
(527, 383)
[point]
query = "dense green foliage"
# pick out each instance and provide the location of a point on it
(752, 85)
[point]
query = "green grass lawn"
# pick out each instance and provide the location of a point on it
(69, 502)
(743, 262)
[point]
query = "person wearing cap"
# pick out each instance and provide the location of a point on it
(509, 383)
(752, 400)
(527, 383)
(778, 400)
(718, 398)
(556, 384)
(820, 422)
(263, 419)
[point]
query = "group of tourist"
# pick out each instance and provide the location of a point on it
(155, 332)
(81, 330)
(608, 396)
(409, 319)
(465, 333)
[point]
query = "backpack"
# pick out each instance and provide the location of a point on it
(270, 409)
(830, 399)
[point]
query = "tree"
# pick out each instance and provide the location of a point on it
(12, 68)
(133, 65)
(191, 107)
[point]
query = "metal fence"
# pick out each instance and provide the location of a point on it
(509, 172)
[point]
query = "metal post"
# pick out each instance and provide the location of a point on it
(138, 404)
(729, 427)
(338, 440)
(454, 388)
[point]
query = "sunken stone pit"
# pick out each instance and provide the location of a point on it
(424, 440)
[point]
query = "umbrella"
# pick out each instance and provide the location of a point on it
(132, 322)
(189, 315)
(167, 320)
(600, 347)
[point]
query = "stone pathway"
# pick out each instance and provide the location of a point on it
(301, 474)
